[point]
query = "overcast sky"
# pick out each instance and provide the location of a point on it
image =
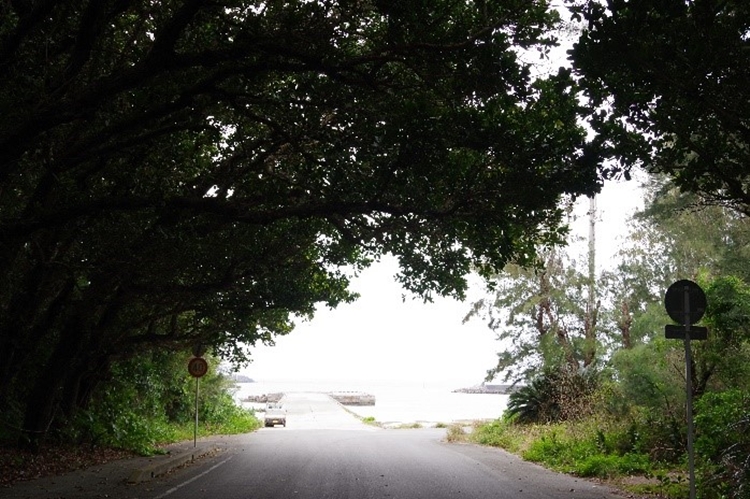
(384, 338)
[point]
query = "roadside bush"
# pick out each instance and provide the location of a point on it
(650, 393)
(649, 377)
(603, 466)
(723, 443)
(455, 433)
(553, 451)
(223, 416)
(534, 403)
(584, 452)
(500, 433)
(149, 400)
(662, 436)
(114, 421)
(554, 395)
(591, 448)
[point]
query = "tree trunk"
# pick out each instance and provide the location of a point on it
(44, 399)
(625, 323)
(22, 341)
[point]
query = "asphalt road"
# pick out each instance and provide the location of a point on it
(325, 452)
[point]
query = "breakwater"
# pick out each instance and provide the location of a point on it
(266, 398)
(489, 389)
(352, 398)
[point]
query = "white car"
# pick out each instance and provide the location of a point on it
(275, 415)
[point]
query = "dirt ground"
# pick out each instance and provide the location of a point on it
(18, 465)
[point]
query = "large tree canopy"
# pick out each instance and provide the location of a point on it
(194, 170)
(668, 82)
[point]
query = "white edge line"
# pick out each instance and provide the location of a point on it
(176, 488)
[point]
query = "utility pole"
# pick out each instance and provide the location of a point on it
(592, 252)
(591, 304)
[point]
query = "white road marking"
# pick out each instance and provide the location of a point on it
(177, 487)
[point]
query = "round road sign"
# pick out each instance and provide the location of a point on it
(685, 302)
(197, 367)
(199, 349)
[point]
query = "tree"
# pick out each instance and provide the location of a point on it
(668, 87)
(543, 319)
(195, 171)
(723, 358)
(677, 235)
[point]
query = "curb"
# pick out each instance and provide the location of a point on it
(169, 463)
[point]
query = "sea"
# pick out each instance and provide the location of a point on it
(396, 402)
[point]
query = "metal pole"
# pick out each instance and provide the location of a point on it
(195, 426)
(689, 390)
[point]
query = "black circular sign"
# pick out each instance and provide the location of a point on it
(682, 295)
(197, 367)
(199, 349)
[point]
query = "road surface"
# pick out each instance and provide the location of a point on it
(325, 452)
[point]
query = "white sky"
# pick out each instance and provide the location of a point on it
(384, 338)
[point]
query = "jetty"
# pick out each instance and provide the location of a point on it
(488, 389)
(352, 398)
(266, 398)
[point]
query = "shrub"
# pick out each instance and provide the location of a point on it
(647, 378)
(550, 450)
(609, 465)
(455, 433)
(723, 442)
(498, 433)
(113, 421)
(584, 454)
(555, 395)
(149, 400)
(535, 402)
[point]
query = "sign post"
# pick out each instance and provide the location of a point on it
(686, 303)
(197, 367)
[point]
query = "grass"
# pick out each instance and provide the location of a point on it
(583, 449)
(408, 426)
(670, 485)
(370, 420)
(242, 421)
(501, 433)
(456, 433)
